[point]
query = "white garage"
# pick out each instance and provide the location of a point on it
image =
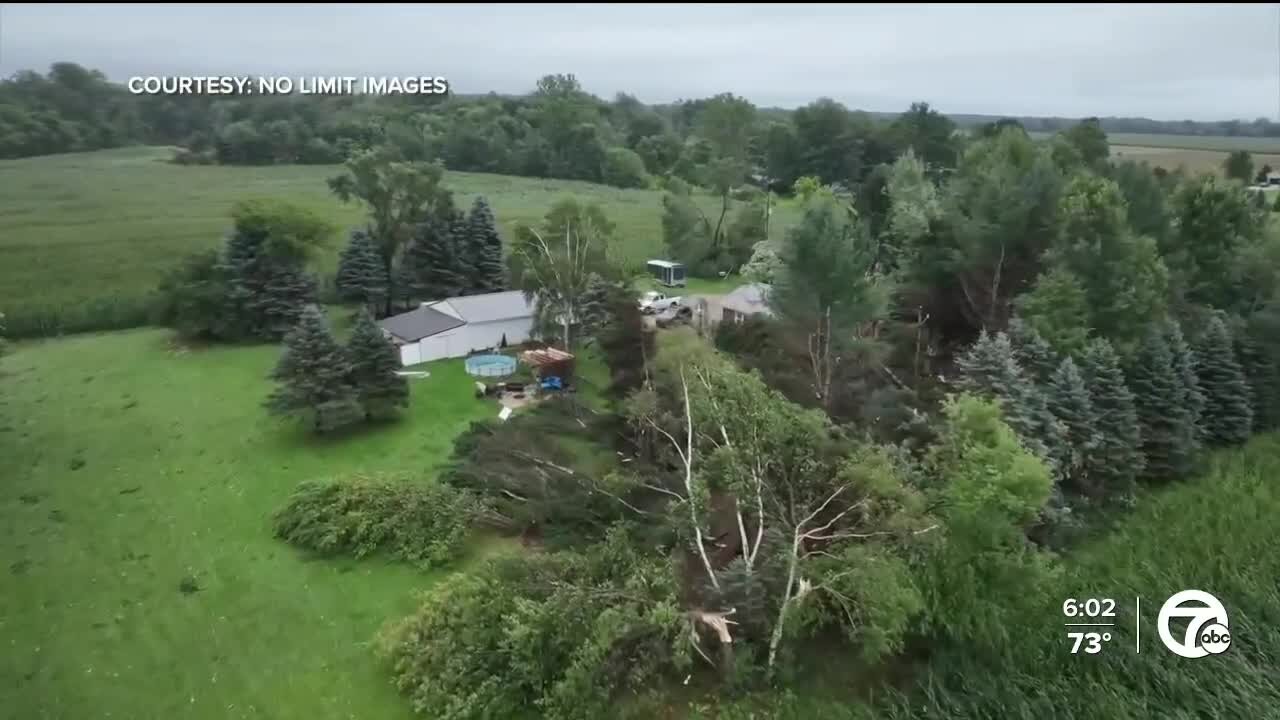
(458, 326)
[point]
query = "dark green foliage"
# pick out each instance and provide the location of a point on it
(1116, 461)
(362, 272)
(374, 361)
(1185, 366)
(1228, 413)
(624, 168)
(989, 368)
(533, 476)
(267, 287)
(312, 376)
(1260, 357)
(429, 268)
(626, 345)
(568, 635)
(483, 250)
(1033, 353)
(1216, 227)
(1145, 199)
(101, 314)
(991, 489)
(1057, 308)
(421, 523)
(1090, 140)
(1238, 166)
(1069, 401)
(1168, 429)
(193, 298)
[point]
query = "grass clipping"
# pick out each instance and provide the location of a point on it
(421, 523)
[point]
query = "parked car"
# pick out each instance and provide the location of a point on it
(654, 301)
(675, 315)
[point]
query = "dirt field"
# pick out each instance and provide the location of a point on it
(1193, 160)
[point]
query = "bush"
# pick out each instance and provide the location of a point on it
(556, 635)
(623, 168)
(421, 523)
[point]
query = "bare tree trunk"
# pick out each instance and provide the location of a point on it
(780, 624)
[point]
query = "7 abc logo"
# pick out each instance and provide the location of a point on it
(1207, 628)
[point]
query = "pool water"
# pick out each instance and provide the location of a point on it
(490, 365)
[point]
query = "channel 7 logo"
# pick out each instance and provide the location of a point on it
(1207, 630)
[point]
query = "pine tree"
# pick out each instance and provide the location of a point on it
(1032, 352)
(1116, 462)
(1260, 358)
(1070, 403)
(374, 361)
(1190, 395)
(428, 270)
(462, 258)
(362, 274)
(312, 376)
(1228, 415)
(484, 249)
(989, 368)
(1166, 423)
(265, 292)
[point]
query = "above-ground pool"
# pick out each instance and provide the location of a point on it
(490, 365)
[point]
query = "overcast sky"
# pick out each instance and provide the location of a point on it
(1166, 62)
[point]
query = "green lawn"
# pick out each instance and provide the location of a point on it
(104, 225)
(129, 464)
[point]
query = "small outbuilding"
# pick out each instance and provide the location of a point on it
(671, 274)
(746, 301)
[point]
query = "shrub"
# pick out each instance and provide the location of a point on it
(29, 321)
(421, 523)
(623, 168)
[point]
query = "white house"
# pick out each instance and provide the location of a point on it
(457, 326)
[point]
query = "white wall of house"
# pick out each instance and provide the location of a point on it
(460, 341)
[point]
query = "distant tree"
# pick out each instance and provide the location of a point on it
(312, 376)
(929, 133)
(398, 197)
(1057, 308)
(429, 266)
(362, 276)
(1033, 353)
(374, 362)
(1168, 432)
(1116, 462)
(625, 343)
(1238, 166)
(1145, 199)
(1215, 227)
(1228, 410)
(624, 168)
(263, 264)
(1260, 359)
(988, 368)
(1123, 275)
(484, 250)
(1090, 140)
(1069, 401)
(659, 153)
(560, 267)
(193, 298)
(1186, 366)
(764, 265)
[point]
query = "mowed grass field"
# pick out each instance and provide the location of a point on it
(126, 465)
(1195, 161)
(106, 225)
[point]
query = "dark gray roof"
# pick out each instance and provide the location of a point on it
(418, 323)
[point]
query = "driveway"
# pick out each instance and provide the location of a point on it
(714, 310)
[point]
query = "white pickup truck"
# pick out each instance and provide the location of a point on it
(654, 301)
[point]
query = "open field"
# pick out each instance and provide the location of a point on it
(129, 465)
(88, 226)
(1221, 143)
(1195, 161)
